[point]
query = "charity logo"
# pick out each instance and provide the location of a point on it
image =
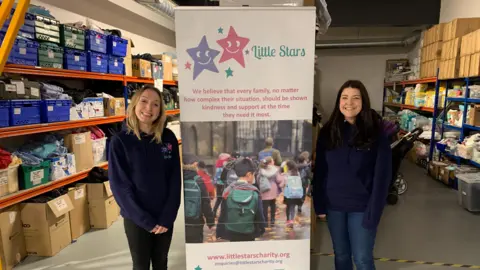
(167, 150)
(198, 268)
(203, 56)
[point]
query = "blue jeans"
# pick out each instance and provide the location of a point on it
(350, 238)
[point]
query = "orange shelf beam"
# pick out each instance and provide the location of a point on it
(47, 127)
(424, 80)
(63, 73)
(24, 195)
(173, 112)
(410, 107)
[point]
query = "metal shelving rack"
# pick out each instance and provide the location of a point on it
(426, 110)
(7, 132)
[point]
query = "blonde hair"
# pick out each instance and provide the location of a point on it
(158, 125)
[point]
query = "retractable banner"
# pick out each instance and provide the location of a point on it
(246, 95)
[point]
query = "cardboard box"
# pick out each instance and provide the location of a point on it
(12, 239)
(451, 49)
(449, 69)
(446, 175)
(167, 67)
(473, 117)
(429, 69)
(434, 34)
(128, 58)
(103, 212)
(114, 106)
(80, 144)
(79, 216)
(432, 52)
(460, 27)
(142, 68)
(474, 70)
(464, 66)
(99, 191)
(434, 168)
(47, 226)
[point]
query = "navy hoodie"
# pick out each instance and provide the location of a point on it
(349, 179)
(145, 178)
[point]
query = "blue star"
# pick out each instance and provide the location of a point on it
(220, 30)
(198, 268)
(203, 57)
(229, 72)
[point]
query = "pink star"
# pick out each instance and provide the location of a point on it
(188, 65)
(233, 46)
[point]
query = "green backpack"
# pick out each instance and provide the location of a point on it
(241, 210)
(193, 198)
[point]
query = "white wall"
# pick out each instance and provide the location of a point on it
(142, 44)
(452, 9)
(366, 65)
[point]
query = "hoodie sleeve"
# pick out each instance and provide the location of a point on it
(280, 180)
(122, 186)
(170, 210)
(381, 183)
(319, 179)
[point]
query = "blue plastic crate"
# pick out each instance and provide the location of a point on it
(75, 60)
(95, 41)
(55, 110)
(4, 113)
(117, 46)
(97, 62)
(115, 65)
(24, 112)
(27, 30)
(24, 52)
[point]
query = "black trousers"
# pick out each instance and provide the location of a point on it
(147, 248)
(272, 205)
(193, 233)
(218, 202)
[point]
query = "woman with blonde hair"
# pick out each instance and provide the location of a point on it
(145, 177)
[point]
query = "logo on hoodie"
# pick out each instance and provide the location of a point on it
(167, 150)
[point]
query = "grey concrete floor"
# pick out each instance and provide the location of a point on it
(426, 225)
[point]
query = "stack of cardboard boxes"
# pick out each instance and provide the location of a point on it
(431, 51)
(470, 55)
(44, 228)
(452, 65)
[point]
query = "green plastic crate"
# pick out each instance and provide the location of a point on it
(72, 37)
(32, 176)
(50, 56)
(47, 29)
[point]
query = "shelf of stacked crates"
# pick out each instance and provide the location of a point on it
(26, 194)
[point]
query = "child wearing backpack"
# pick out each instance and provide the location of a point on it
(197, 203)
(241, 214)
(293, 191)
(270, 181)
(305, 172)
(207, 179)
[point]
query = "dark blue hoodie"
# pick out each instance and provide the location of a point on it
(145, 178)
(349, 179)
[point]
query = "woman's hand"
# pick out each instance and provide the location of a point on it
(322, 216)
(159, 229)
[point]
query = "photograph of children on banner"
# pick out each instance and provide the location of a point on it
(246, 181)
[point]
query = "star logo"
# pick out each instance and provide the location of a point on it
(229, 72)
(220, 30)
(203, 57)
(198, 268)
(188, 65)
(233, 46)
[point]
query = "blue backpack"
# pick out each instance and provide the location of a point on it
(264, 154)
(294, 187)
(193, 198)
(217, 178)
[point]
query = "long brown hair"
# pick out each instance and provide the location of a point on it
(158, 125)
(292, 167)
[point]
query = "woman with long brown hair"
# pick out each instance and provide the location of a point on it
(145, 177)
